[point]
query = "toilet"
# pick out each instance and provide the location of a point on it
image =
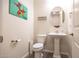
(39, 45)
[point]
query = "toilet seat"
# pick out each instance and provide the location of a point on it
(37, 46)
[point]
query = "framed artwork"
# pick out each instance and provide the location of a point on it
(16, 8)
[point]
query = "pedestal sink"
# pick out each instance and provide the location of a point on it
(57, 37)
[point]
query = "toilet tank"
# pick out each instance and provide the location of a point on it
(41, 38)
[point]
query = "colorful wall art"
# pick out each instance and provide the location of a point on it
(16, 8)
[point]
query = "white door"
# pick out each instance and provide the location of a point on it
(75, 45)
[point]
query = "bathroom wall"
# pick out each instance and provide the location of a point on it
(43, 8)
(14, 28)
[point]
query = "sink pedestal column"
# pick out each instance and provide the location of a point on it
(56, 48)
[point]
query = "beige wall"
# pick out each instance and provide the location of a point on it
(15, 28)
(43, 8)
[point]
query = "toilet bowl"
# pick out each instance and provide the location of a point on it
(38, 47)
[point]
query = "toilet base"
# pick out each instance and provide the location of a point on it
(38, 54)
(56, 56)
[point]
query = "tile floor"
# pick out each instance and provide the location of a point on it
(47, 55)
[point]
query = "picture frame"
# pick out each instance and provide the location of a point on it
(16, 8)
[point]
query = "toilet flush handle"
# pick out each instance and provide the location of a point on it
(72, 34)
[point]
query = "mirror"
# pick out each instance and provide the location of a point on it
(57, 16)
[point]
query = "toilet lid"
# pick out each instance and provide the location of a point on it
(38, 45)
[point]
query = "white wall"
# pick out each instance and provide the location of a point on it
(43, 8)
(15, 28)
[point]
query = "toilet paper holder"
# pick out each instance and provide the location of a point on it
(16, 41)
(13, 43)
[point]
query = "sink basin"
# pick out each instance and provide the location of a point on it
(56, 34)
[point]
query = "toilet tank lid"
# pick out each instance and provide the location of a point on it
(41, 35)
